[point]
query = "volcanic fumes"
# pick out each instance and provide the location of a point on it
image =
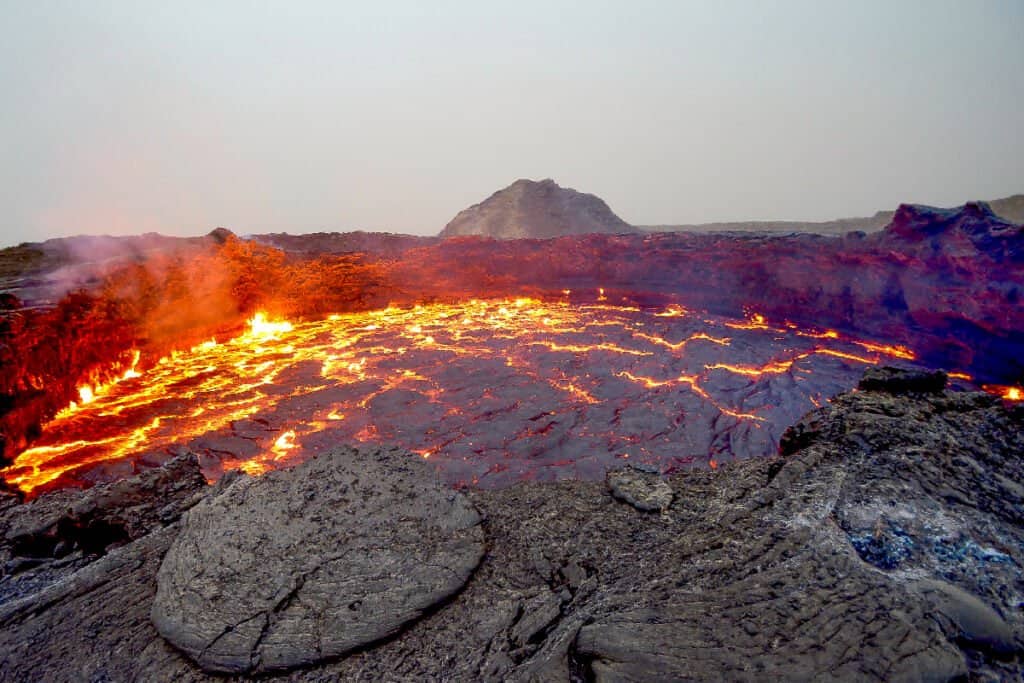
(491, 391)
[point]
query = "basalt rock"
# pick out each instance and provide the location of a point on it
(9, 496)
(887, 546)
(643, 490)
(83, 524)
(902, 381)
(296, 567)
(74, 563)
(971, 620)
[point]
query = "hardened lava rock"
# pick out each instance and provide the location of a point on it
(886, 546)
(307, 564)
(642, 488)
(902, 381)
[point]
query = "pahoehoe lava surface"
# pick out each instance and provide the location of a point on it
(886, 544)
(295, 567)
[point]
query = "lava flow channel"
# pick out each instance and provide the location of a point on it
(491, 391)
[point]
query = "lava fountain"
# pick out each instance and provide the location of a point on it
(491, 391)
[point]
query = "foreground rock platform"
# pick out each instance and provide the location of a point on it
(300, 566)
(887, 544)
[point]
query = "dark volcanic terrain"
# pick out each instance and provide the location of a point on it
(884, 543)
(542, 209)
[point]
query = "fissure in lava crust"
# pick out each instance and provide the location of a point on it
(492, 391)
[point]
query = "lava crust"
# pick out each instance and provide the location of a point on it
(491, 392)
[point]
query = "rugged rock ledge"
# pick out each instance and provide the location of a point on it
(885, 543)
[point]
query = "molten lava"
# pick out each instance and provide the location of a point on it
(87, 393)
(490, 391)
(1007, 393)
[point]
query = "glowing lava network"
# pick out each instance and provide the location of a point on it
(492, 391)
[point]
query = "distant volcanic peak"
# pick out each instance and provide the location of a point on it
(536, 209)
(221, 235)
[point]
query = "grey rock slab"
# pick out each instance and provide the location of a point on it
(46, 539)
(89, 625)
(537, 615)
(307, 564)
(976, 623)
(901, 381)
(645, 491)
(821, 619)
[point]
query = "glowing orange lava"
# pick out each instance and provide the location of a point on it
(1007, 393)
(87, 393)
(485, 389)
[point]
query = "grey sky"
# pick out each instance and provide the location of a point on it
(124, 117)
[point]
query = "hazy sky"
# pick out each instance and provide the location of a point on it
(124, 117)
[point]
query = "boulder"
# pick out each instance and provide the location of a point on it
(307, 564)
(975, 623)
(646, 491)
(900, 381)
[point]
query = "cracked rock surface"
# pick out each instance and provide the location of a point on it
(886, 544)
(643, 490)
(296, 567)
